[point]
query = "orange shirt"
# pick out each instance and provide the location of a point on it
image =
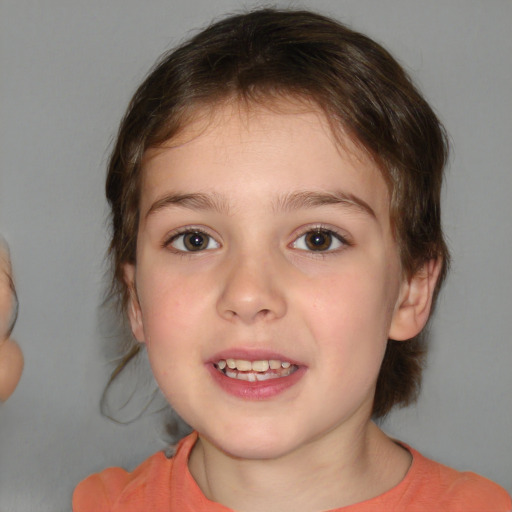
(165, 485)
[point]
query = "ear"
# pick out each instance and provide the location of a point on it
(133, 307)
(415, 302)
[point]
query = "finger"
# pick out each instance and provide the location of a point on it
(8, 298)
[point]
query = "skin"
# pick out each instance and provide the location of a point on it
(257, 286)
(11, 357)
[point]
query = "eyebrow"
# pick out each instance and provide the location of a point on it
(286, 203)
(306, 199)
(196, 201)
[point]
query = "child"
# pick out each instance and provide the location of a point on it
(277, 245)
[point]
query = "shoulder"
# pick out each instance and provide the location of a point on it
(102, 492)
(149, 487)
(452, 490)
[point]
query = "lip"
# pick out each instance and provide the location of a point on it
(259, 390)
(251, 355)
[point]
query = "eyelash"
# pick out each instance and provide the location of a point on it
(335, 237)
(188, 231)
(316, 230)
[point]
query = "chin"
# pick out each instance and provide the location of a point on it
(263, 451)
(254, 442)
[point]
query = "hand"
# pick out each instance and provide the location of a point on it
(11, 357)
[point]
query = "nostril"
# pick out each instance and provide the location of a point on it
(261, 312)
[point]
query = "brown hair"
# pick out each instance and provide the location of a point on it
(362, 90)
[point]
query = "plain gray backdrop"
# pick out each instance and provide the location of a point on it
(67, 71)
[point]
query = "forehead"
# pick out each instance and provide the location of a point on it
(239, 149)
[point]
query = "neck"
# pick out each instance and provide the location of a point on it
(331, 472)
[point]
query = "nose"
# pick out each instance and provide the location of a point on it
(252, 290)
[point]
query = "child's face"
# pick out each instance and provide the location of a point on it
(261, 239)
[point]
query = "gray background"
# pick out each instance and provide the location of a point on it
(68, 70)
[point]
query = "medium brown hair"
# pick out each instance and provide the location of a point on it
(267, 54)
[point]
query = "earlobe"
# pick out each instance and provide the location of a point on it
(133, 307)
(415, 302)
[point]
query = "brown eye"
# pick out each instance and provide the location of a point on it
(193, 241)
(318, 240)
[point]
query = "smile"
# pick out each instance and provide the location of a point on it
(255, 371)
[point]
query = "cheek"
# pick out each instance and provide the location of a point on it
(349, 317)
(172, 307)
(352, 300)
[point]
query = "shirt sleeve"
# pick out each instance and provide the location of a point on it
(474, 493)
(99, 492)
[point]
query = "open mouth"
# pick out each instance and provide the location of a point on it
(255, 371)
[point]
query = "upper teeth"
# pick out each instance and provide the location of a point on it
(244, 365)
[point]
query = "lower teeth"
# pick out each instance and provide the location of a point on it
(258, 376)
